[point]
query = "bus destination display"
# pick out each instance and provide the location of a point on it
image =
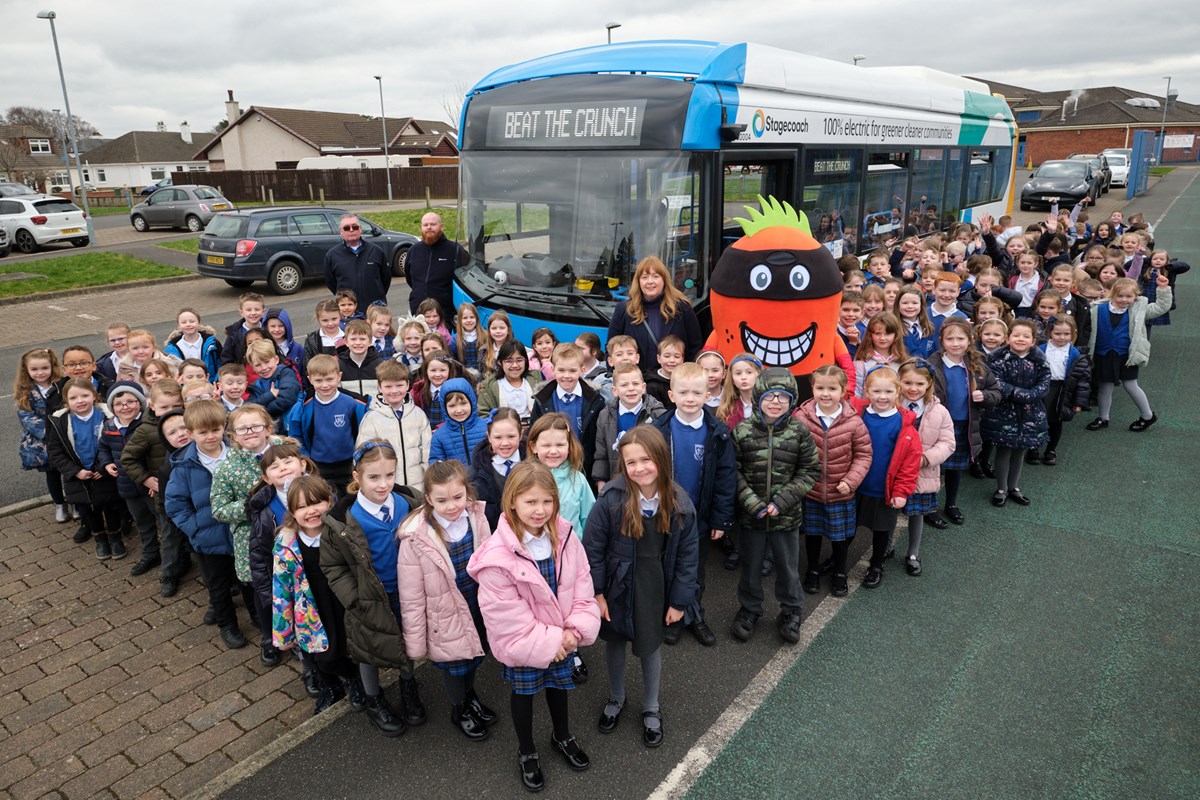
(605, 124)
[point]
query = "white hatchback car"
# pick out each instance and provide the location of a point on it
(1119, 165)
(33, 221)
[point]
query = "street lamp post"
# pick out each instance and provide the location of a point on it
(1162, 131)
(87, 216)
(609, 28)
(858, 58)
(387, 166)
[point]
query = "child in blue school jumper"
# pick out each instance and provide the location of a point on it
(327, 424)
(463, 428)
(705, 467)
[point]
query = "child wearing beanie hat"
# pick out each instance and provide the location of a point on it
(126, 403)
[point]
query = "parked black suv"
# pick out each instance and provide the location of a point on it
(283, 246)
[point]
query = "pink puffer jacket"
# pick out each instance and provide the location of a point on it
(937, 444)
(845, 451)
(437, 620)
(524, 620)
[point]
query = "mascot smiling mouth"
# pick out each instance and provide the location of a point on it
(778, 352)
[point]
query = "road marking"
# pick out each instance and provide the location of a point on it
(55, 308)
(86, 316)
(708, 746)
(1158, 221)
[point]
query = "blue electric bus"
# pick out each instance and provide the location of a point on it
(577, 165)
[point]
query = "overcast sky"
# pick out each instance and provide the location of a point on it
(131, 64)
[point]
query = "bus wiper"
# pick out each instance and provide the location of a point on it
(599, 314)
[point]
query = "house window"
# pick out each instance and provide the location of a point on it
(39, 145)
(1028, 116)
(157, 173)
(87, 176)
(100, 175)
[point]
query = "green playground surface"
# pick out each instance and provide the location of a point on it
(1047, 651)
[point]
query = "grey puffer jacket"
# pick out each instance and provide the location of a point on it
(1141, 311)
(1019, 421)
(777, 463)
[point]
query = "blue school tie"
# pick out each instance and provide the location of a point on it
(912, 406)
(385, 514)
(508, 466)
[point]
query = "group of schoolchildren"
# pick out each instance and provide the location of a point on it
(390, 492)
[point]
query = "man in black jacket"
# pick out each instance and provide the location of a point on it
(430, 267)
(357, 265)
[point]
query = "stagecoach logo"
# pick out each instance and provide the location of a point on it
(762, 124)
(339, 420)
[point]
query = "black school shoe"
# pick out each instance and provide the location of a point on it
(385, 720)
(358, 695)
(531, 772)
(1142, 424)
(954, 514)
(743, 625)
(572, 753)
(579, 670)
(312, 684)
(411, 707)
(1050, 458)
(1017, 497)
(788, 625)
(463, 718)
(327, 696)
(912, 565)
(145, 564)
(840, 586)
(1033, 457)
(81, 535)
(652, 737)
(936, 520)
(672, 633)
(269, 655)
(482, 712)
(117, 546)
(873, 578)
(1097, 424)
(976, 470)
(233, 637)
(168, 586)
(703, 633)
(999, 499)
(608, 722)
(812, 582)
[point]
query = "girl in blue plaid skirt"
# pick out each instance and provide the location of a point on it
(936, 428)
(439, 601)
(845, 449)
(536, 596)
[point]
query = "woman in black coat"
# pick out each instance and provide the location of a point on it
(656, 309)
(643, 548)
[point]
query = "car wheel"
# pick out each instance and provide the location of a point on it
(193, 224)
(239, 284)
(139, 223)
(286, 277)
(400, 262)
(25, 242)
(80, 242)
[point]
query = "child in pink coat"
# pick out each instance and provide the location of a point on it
(936, 430)
(538, 605)
(439, 601)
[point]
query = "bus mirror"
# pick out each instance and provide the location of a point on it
(729, 132)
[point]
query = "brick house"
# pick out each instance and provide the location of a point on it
(1056, 124)
(33, 157)
(268, 138)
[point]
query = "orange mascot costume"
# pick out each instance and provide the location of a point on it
(775, 293)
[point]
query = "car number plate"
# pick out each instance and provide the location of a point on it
(218, 260)
(72, 230)
(220, 207)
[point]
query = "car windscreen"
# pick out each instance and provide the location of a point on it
(206, 193)
(1117, 161)
(227, 226)
(55, 206)
(1062, 169)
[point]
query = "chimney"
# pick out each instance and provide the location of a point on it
(1063, 118)
(232, 112)
(161, 127)
(1076, 109)
(185, 132)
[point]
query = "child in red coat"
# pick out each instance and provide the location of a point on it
(895, 464)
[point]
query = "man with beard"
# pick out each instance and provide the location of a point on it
(357, 265)
(431, 265)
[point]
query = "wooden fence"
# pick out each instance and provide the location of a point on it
(306, 185)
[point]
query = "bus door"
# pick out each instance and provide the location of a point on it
(748, 175)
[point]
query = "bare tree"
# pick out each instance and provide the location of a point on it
(220, 126)
(47, 121)
(12, 154)
(453, 103)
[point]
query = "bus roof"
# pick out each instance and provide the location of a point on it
(757, 66)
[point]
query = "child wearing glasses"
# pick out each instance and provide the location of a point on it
(118, 339)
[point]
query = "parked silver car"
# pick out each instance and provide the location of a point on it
(40, 219)
(188, 207)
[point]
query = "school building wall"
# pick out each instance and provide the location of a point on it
(1045, 145)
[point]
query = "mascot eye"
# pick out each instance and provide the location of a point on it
(760, 278)
(798, 278)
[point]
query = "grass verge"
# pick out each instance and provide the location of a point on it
(183, 245)
(73, 272)
(1160, 171)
